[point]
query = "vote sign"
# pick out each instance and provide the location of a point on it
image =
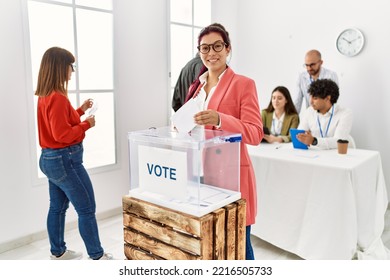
(163, 171)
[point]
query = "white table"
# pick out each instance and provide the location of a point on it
(319, 204)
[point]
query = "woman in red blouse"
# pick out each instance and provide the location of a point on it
(61, 133)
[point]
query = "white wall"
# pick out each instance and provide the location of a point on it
(269, 39)
(272, 37)
(141, 86)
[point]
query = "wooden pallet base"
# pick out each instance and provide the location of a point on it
(153, 232)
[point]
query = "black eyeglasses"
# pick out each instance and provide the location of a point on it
(73, 67)
(310, 65)
(217, 46)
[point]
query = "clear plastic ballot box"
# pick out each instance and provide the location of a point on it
(195, 173)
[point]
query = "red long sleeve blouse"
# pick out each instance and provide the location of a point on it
(59, 124)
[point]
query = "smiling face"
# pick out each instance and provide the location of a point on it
(278, 101)
(214, 61)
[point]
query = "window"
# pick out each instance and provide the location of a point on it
(187, 18)
(85, 28)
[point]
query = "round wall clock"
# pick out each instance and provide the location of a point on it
(350, 42)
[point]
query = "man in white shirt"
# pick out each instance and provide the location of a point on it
(314, 71)
(324, 121)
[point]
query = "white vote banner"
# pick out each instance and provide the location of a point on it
(163, 171)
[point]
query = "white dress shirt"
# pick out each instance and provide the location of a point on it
(276, 127)
(328, 127)
(304, 82)
(202, 99)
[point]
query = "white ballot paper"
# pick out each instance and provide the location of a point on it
(183, 119)
(94, 108)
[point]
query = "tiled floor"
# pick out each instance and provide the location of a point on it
(112, 239)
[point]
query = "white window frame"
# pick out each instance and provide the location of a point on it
(194, 49)
(37, 180)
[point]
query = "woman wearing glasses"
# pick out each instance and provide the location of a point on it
(279, 116)
(228, 102)
(61, 133)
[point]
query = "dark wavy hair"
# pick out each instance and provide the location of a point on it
(289, 108)
(323, 87)
(216, 28)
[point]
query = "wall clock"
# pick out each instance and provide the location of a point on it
(350, 42)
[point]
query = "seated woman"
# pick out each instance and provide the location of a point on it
(279, 116)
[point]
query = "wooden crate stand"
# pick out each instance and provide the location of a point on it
(153, 232)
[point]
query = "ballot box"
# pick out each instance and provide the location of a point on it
(194, 173)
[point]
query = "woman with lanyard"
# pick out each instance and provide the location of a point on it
(324, 121)
(229, 102)
(279, 116)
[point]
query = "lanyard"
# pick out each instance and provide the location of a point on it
(327, 127)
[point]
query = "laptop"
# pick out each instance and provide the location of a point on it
(296, 143)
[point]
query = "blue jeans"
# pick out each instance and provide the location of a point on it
(69, 182)
(249, 249)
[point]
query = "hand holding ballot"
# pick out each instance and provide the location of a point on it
(93, 109)
(189, 115)
(207, 117)
(183, 119)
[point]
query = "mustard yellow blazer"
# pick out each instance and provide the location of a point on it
(290, 121)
